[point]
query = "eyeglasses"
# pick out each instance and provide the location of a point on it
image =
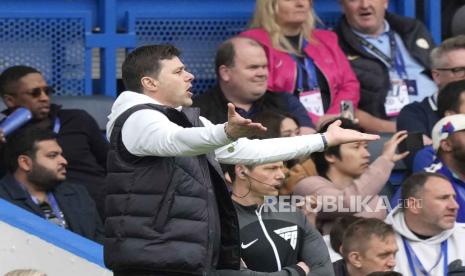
(37, 92)
(457, 71)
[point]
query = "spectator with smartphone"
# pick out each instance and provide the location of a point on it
(345, 174)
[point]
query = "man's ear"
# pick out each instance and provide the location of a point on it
(445, 145)
(10, 101)
(224, 73)
(149, 84)
(355, 259)
(330, 158)
(24, 163)
(241, 171)
(449, 112)
(435, 75)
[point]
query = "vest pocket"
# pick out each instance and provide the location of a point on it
(165, 207)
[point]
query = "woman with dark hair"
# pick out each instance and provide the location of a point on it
(285, 125)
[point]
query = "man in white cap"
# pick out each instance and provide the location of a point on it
(449, 145)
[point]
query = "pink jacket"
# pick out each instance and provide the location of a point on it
(370, 183)
(327, 56)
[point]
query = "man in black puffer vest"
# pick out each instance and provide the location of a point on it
(168, 209)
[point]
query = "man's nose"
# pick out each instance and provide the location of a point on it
(63, 161)
(189, 76)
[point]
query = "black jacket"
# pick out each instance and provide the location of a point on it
(418, 116)
(340, 268)
(167, 215)
(214, 106)
(78, 208)
(84, 147)
(373, 73)
(289, 232)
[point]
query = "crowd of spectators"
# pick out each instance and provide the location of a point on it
(275, 121)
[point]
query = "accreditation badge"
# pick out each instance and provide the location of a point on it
(397, 97)
(312, 102)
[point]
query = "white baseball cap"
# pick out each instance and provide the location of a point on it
(447, 126)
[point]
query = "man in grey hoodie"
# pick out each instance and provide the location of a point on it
(427, 234)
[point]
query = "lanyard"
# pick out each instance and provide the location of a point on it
(395, 61)
(55, 209)
(57, 125)
(308, 66)
(416, 263)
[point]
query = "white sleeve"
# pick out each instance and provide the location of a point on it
(245, 151)
(151, 133)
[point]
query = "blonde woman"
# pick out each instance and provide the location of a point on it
(303, 60)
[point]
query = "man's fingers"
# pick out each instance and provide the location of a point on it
(401, 156)
(231, 110)
(257, 126)
(337, 123)
(369, 137)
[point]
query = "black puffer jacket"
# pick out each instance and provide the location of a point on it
(167, 215)
(371, 72)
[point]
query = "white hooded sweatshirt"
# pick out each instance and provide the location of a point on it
(150, 133)
(427, 251)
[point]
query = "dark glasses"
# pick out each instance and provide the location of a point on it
(37, 92)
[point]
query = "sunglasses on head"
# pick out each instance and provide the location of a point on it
(36, 92)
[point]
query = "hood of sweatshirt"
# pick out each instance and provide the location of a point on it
(126, 100)
(397, 219)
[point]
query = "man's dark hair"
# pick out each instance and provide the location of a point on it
(144, 61)
(321, 164)
(226, 53)
(449, 97)
(24, 142)
(224, 56)
(337, 230)
(231, 170)
(10, 77)
(414, 184)
(359, 233)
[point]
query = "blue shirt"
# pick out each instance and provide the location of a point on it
(425, 86)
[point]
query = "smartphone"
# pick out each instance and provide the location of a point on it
(413, 143)
(346, 109)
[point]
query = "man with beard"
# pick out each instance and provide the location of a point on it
(35, 182)
(449, 145)
(78, 134)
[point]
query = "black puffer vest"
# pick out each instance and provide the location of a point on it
(167, 215)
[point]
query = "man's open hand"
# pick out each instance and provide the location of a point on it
(336, 135)
(238, 126)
